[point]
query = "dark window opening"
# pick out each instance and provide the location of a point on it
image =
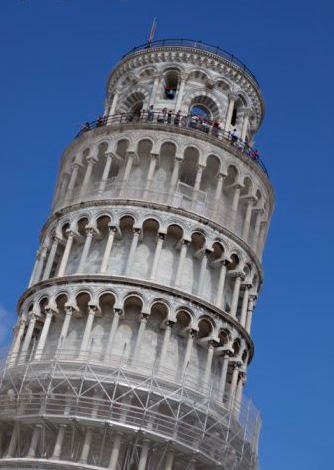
(234, 117)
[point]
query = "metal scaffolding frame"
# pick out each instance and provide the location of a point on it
(138, 401)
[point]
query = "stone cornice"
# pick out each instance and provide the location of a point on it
(127, 281)
(164, 208)
(193, 56)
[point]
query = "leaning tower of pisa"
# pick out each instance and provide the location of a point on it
(133, 337)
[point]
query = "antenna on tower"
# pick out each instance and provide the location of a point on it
(153, 28)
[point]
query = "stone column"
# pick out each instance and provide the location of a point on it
(165, 344)
(187, 354)
(106, 171)
(127, 172)
(197, 185)
(251, 305)
(91, 162)
(27, 339)
(245, 123)
(218, 194)
(64, 184)
(245, 305)
(134, 243)
(161, 237)
(181, 92)
(55, 242)
(114, 102)
(59, 442)
(13, 442)
(223, 374)
(32, 277)
(144, 454)
(202, 272)
(182, 258)
(41, 259)
(234, 380)
(235, 296)
(34, 441)
(115, 451)
(86, 446)
(114, 325)
(208, 365)
(88, 328)
(65, 327)
(174, 179)
(232, 99)
(154, 89)
(245, 229)
(17, 342)
(44, 333)
(90, 231)
(236, 196)
(107, 250)
(140, 334)
(221, 284)
(66, 254)
(74, 175)
(169, 460)
(150, 174)
(240, 386)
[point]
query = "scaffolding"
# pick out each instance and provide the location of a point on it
(137, 403)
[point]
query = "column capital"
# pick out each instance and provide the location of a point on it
(112, 228)
(76, 165)
(161, 235)
(184, 75)
(119, 312)
(185, 242)
(248, 112)
(238, 274)
(91, 159)
(137, 231)
(232, 96)
(90, 231)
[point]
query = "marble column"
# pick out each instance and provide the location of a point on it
(107, 250)
(250, 309)
(127, 172)
(115, 451)
(174, 179)
(187, 354)
(92, 309)
(134, 243)
(165, 343)
(106, 172)
(197, 185)
(223, 374)
(247, 220)
(150, 173)
(42, 339)
(156, 259)
(221, 285)
(114, 102)
(66, 254)
(59, 442)
(181, 92)
(17, 342)
(234, 381)
(90, 232)
(55, 242)
(140, 334)
(218, 195)
(73, 179)
(41, 260)
(91, 160)
(183, 253)
(208, 365)
(65, 327)
(235, 295)
(154, 89)
(245, 123)
(202, 273)
(34, 441)
(169, 459)
(144, 454)
(118, 313)
(245, 305)
(27, 339)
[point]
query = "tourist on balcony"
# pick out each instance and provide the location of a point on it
(205, 126)
(100, 121)
(150, 113)
(169, 116)
(185, 121)
(255, 154)
(177, 118)
(234, 136)
(194, 121)
(85, 127)
(215, 127)
(162, 116)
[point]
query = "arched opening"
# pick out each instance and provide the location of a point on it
(143, 259)
(170, 253)
(204, 107)
(171, 84)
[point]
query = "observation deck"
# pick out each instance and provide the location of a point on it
(197, 45)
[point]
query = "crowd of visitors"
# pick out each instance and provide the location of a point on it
(195, 121)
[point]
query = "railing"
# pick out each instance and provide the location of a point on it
(195, 45)
(195, 123)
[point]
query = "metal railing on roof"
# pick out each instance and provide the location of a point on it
(195, 45)
(195, 123)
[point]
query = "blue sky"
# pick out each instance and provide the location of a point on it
(55, 59)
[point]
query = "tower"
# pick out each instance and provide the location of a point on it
(133, 338)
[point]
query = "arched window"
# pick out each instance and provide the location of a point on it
(171, 82)
(205, 107)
